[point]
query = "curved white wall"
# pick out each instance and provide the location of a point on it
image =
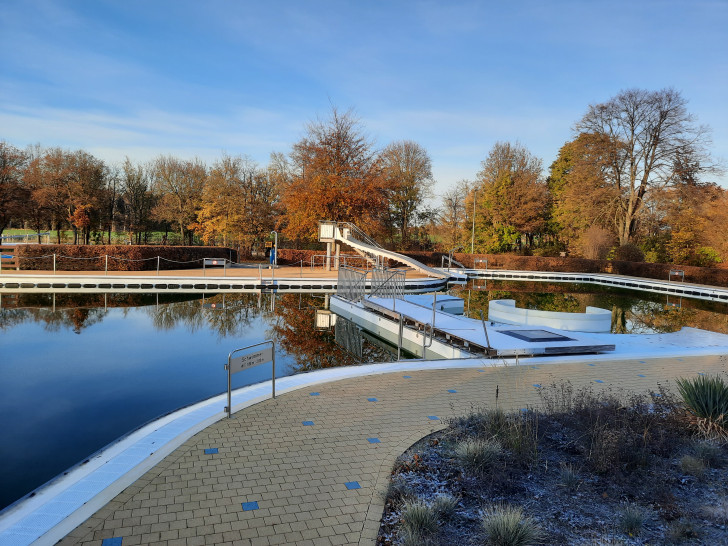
(594, 320)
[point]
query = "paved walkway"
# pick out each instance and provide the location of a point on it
(312, 466)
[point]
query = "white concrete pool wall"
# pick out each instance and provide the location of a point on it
(594, 320)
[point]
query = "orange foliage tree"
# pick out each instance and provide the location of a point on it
(337, 176)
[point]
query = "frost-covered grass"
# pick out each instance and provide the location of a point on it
(586, 468)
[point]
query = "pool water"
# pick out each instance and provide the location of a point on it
(77, 371)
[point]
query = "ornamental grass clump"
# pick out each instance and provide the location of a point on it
(706, 398)
(419, 521)
(507, 526)
(631, 520)
(478, 456)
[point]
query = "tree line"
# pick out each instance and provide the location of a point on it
(633, 182)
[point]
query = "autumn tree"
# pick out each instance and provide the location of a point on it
(238, 202)
(408, 181)
(85, 190)
(643, 132)
(453, 214)
(138, 199)
(511, 198)
(336, 176)
(60, 181)
(178, 186)
(583, 203)
(13, 195)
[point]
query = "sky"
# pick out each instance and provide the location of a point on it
(199, 79)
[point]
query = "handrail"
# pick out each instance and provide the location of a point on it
(361, 235)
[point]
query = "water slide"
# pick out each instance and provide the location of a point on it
(350, 235)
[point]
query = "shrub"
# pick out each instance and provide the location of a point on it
(445, 505)
(507, 526)
(631, 520)
(709, 453)
(595, 243)
(707, 399)
(706, 256)
(569, 476)
(692, 466)
(516, 433)
(477, 456)
(629, 253)
(419, 519)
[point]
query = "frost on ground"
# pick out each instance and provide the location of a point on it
(585, 468)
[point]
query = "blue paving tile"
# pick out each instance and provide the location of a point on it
(643, 362)
(451, 390)
(591, 364)
(374, 440)
(433, 417)
(307, 423)
(482, 371)
(372, 399)
(352, 485)
(407, 376)
(641, 375)
(598, 381)
(534, 367)
(211, 451)
(115, 541)
(537, 385)
(247, 506)
(315, 394)
(701, 373)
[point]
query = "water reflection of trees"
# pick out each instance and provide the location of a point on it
(294, 329)
(225, 314)
(77, 319)
(630, 313)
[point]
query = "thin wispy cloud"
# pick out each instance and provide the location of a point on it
(126, 78)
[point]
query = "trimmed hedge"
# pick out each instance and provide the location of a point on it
(712, 276)
(121, 257)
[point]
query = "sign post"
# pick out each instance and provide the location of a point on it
(248, 360)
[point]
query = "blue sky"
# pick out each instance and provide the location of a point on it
(140, 78)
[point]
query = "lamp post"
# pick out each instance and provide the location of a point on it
(472, 237)
(275, 248)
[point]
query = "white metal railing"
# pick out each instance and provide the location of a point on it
(388, 283)
(352, 283)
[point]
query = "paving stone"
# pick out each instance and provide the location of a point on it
(297, 474)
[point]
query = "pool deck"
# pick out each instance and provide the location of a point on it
(312, 465)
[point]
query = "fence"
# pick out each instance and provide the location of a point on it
(388, 283)
(352, 283)
(345, 260)
(385, 283)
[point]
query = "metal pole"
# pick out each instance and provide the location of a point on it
(399, 340)
(273, 344)
(203, 267)
(157, 266)
(472, 238)
(224, 268)
(434, 304)
(106, 265)
(229, 404)
(54, 263)
(485, 330)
